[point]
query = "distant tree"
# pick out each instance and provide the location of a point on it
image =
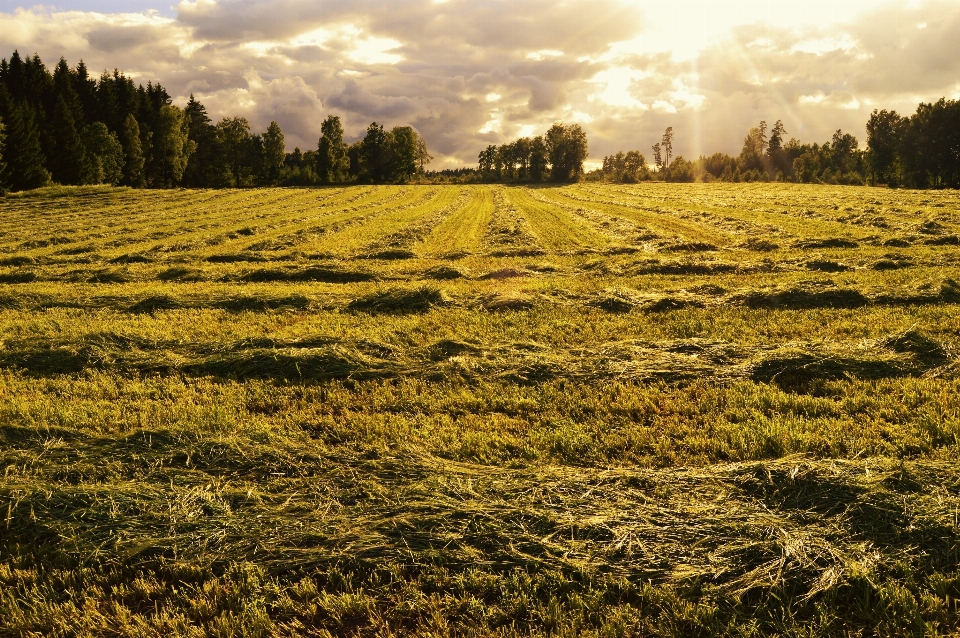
(403, 154)
(333, 162)
(626, 167)
(375, 155)
(754, 147)
(23, 155)
(132, 152)
(274, 153)
(539, 157)
(680, 170)
(172, 145)
(299, 169)
(201, 168)
(666, 144)
(521, 155)
(658, 157)
(67, 160)
(3, 164)
(567, 150)
(776, 138)
(486, 161)
(253, 160)
(233, 135)
(634, 166)
(930, 150)
(104, 155)
(885, 130)
(844, 155)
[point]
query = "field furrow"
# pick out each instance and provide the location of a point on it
(462, 231)
(349, 238)
(649, 216)
(557, 230)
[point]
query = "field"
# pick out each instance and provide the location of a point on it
(651, 410)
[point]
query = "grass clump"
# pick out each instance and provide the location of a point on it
(399, 300)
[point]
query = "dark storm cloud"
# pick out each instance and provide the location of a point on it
(468, 73)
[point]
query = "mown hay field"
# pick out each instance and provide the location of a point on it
(650, 410)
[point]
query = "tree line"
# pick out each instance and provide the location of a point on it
(557, 155)
(920, 151)
(68, 127)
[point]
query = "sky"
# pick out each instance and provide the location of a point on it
(467, 74)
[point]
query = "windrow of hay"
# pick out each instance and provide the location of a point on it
(399, 300)
(795, 366)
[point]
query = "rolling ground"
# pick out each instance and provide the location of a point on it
(651, 410)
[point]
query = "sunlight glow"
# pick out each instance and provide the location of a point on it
(375, 51)
(617, 82)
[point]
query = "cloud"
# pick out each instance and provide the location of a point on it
(602, 63)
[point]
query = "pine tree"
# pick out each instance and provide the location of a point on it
(133, 153)
(201, 167)
(22, 153)
(68, 159)
(3, 164)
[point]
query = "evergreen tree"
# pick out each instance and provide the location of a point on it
(333, 164)
(22, 154)
(67, 161)
(86, 89)
(201, 167)
(3, 164)
(132, 153)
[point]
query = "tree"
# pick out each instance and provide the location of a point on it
(754, 147)
(567, 150)
(538, 158)
(375, 155)
(132, 153)
(67, 162)
(3, 164)
(423, 156)
(885, 130)
(634, 166)
(22, 152)
(666, 144)
(402, 154)
(274, 153)
(172, 145)
(201, 168)
(776, 138)
(232, 137)
(486, 160)
(658, 157)
(333, 162)
(105, 156)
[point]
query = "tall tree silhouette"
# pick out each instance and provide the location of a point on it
(333, 164)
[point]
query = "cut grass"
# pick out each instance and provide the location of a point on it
(655, 409)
